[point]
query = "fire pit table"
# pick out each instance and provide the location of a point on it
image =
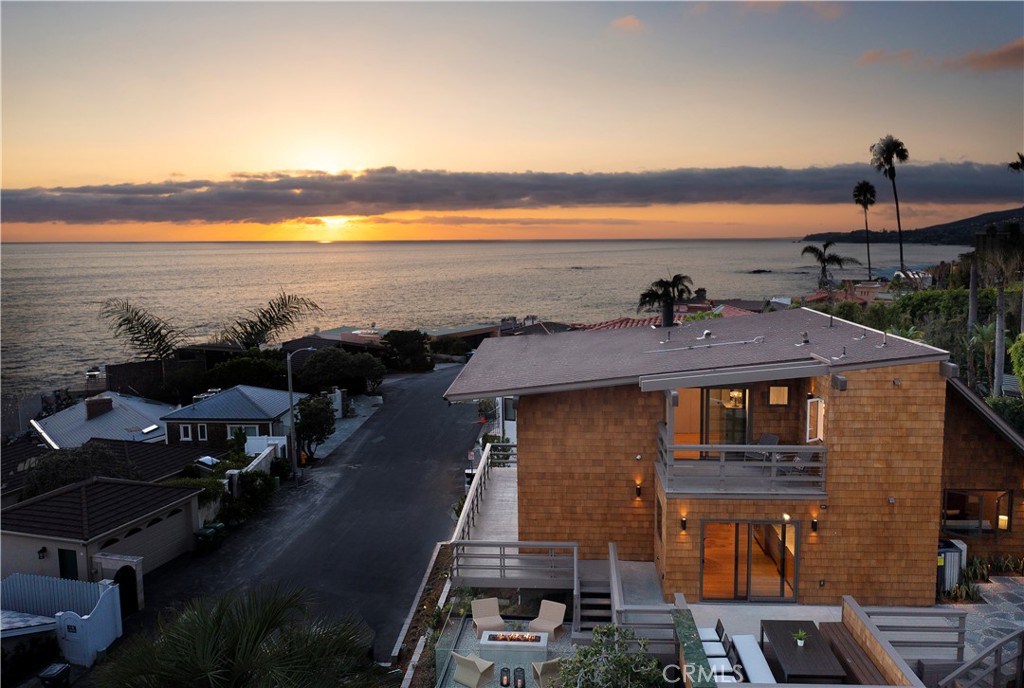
(514, 648)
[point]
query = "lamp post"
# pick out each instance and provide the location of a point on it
(291, 415)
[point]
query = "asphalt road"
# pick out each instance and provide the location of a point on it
(358, 534)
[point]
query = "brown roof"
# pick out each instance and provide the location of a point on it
(91, 508)
(16, 458)
(768, 343)
(155, 462)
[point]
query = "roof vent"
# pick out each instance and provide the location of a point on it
(707, 335)
(804, 339)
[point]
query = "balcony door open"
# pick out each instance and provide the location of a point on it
(748, 561)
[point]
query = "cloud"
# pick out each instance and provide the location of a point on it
(1004, 58)
(1007, 57)
(828, 11)
(270, 198)
(458, 220)
(628, 24)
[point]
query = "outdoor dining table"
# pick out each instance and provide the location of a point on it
(812, 663)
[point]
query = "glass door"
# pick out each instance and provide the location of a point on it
(748, 561)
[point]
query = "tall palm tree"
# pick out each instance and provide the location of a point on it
(1018, 164)
(262, 638)
(884, 155)
(664, 294)
(826, 259)
(972, 304)
(864, 196)
(984, 338)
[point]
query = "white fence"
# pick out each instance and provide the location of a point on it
(88, 615)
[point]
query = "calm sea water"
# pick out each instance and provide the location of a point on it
(51, 330)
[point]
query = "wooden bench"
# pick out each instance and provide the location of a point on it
(860, 669)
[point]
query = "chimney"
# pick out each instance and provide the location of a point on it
(97, 406)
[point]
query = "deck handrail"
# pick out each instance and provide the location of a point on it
(957, 628)
(995, 654)
(503, 454)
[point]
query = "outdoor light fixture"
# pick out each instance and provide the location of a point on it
(682, 523)
(638, 489)
(785, 517)
(814, 525)
(41, 553)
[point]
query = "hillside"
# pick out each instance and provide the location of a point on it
(960, 232)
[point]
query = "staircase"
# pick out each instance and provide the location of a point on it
(595, 604)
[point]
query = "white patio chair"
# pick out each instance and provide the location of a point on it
(550, 619)
(486, 616)
(472, 671)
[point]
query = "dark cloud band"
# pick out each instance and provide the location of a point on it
(276, 197)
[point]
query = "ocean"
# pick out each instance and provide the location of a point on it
(51, 330)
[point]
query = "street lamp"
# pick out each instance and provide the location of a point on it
(291, 416)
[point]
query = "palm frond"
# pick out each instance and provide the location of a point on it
(152, 337)
(265, 323)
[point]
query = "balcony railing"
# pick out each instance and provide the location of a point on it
(742, 469)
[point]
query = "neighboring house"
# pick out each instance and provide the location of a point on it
(155, 463)
(787, 456)
(982, 476)
(67, 532)
(109, 415)
(210, 422)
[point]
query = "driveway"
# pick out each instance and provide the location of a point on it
(359, 532)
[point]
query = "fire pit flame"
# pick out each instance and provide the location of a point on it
(514, 637)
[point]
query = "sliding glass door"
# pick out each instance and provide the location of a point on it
(749, 560)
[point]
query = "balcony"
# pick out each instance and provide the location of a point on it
(741, 470)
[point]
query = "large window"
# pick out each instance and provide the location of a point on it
(249, 430)
(977, 512)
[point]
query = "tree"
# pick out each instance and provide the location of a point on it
(664, 294)
(61, 467)
(826, 259)
(884, 156)
(1018, 164)
(1003, 252)
(407, 350)
(609, 661)
(264, 637)
(265, 323)
(315, 423)
(983, 339)
(864, 196)
(255, 368)
(1016, 352)
(370, 368)
(153, 338)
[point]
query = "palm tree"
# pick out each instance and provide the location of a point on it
(664, 294)
(154, 338)
(864, 196)
(1003, 253)
(265, 323)
(984, 338)
(1018, 164)
(262, 638)
(972, 304)
(826, 259)
(884, 156)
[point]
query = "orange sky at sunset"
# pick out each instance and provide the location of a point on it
(196, 121)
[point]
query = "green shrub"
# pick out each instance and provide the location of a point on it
(1011, 409)
(609, 661)
(212, 488)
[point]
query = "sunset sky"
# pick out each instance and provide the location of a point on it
(327, 121)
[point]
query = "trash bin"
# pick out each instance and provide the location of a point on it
(206, 539)
(56, 676)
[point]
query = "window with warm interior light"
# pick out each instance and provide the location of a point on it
(977, 512)
(778, 395)
(815, 420)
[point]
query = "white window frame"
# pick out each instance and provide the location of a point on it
(815, 419)
(201, 432)
(255, 428)
(185, 432)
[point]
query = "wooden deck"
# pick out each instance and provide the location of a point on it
(499, 517)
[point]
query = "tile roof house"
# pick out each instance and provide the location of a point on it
(785, 456)
(15, 460)
(211, 421)
(109, 415)
(62, 532)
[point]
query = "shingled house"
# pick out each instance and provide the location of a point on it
(787, 456)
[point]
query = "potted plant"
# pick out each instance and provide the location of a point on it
(800, 636)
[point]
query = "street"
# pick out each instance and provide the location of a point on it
(358, 534)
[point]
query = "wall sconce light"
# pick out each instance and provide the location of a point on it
(814, 525)
(785, 517)
(41, 553)
(682, 523)
(638, 489)
(897, 382)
